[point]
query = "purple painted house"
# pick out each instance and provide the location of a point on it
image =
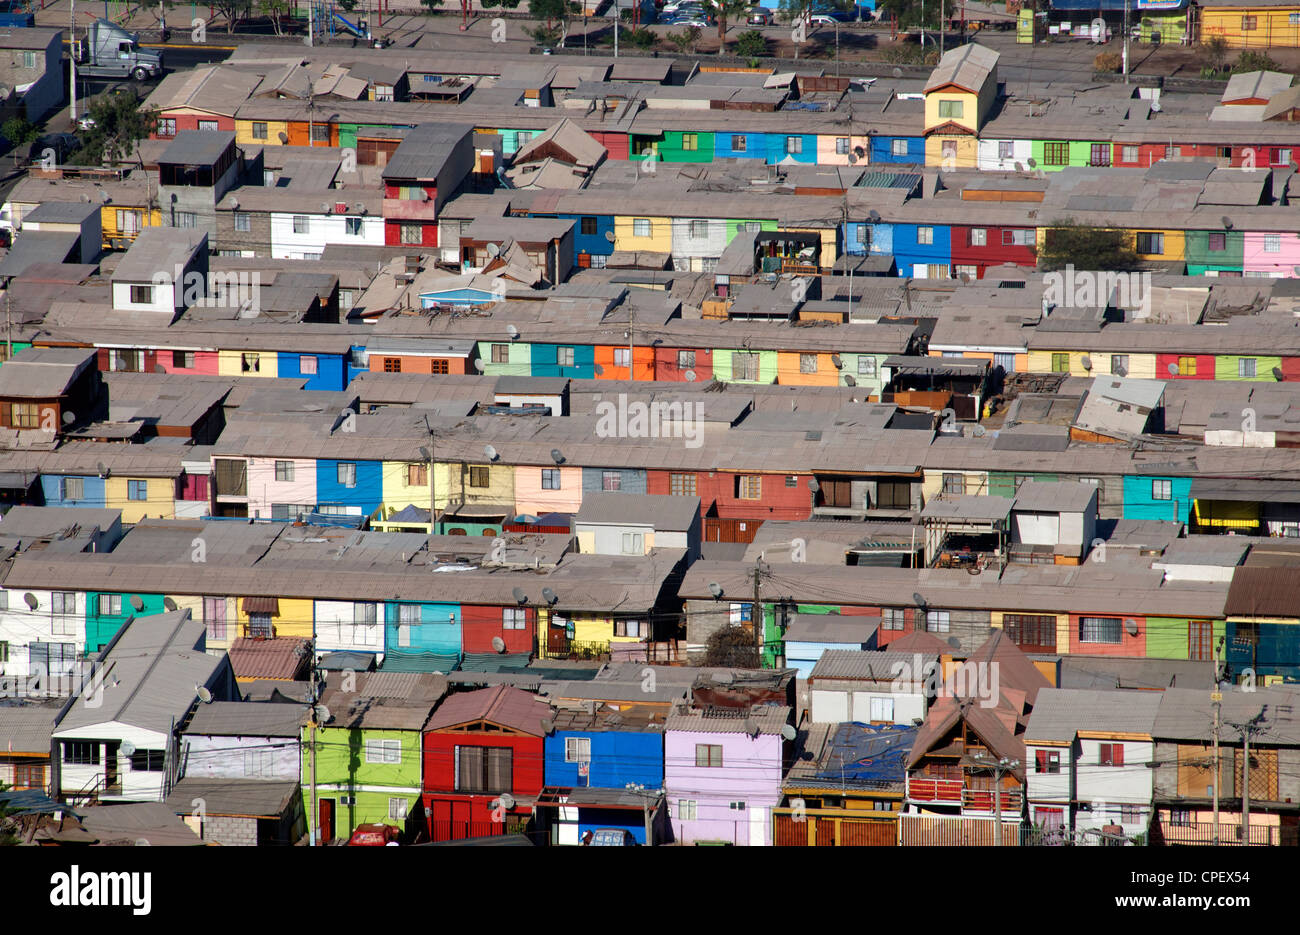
(722, 772)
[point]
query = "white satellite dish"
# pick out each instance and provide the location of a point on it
(690, 376)
(788, 732)
(1086, 361)
(979, 431)
(715, 589)
(169, 604)
(1131, 627)
(205, 696)
(234, 202)
(479, 365)
(520, 596)
(512, 331)
(498, 644)
(850, 380)
(751, 727)
(493, 250)
(142, 842)
(549, 596)
(490, 452)
(323, 713)
(506, 799)
(127, 748)
(1173, 369)
(609, 235)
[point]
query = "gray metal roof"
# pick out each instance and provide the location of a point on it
(248, 719)
(26, 729)
(831, 628)
(244, 798)
(669, 513)
(1189, 715)
(197, 148)
(150, 674)
(867, 665)
(61, 212)
(764, 719)
(1060, 714)
(43, 372)
(157, 249)
(1054, 496)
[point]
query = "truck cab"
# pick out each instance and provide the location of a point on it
(110, 51)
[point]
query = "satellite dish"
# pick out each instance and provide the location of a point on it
(493, 250)
(1086, 361)
(850, 379)
(1121, 370)
(1020, 167)
(105, 197)
(323, 713)
(362, 209)
(837, 361)
(980, 431)
(31, 600)
(5, 91)
(813, 485)
(954, 642)
(1173, 369)
(1278, 375)
(549, 596)
(512, 331)
(137, 602)
(788, 732)
(898, 72)
(234, 202)
(918, 600)
(853, 159)
(1227, 222)
(506, 799)
(284, 137)
(169, 604)
(1131, 627)
(69, 418)
(99, 466)
(557, 456)
(490, 452)
(142, 842)
(85, 198)
(1155, 107)
(715, 589)
(479, 365)
(609, 235)
(520, 596)
(498, 644)
(205, 696)
(324, 208)
(751, 727)
(873, 215)
(599, 369)
(548, 725)
(1032, 162)
(127, 748)
(690, 376)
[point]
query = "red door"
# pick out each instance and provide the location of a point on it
(325, 821)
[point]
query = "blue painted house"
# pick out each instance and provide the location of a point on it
(564, 360)
(422, 630)
(922, 251)
(592, 235)
(591, 759)
(792, 147)
(740, 145)
(73, 490)
(909, 150)
(1163, 498)
(324, 371)
(106, 613)
(352, 487)
(620, 480)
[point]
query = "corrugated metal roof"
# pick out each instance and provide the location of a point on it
(1059, 714)
(281, 658)
(503, 705)
(245, 798)
(248, 719)
(760, 719)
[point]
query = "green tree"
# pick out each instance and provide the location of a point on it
(639, 38)
(724, 11)
(119, 125)
(430, 4)
(687, 39)
(234, 11)
(1067, 243)
(751, 44)
(275, 11)
(1216, 50)
(18, 131)
(347, 5)
(1251, 60)
(553, 12)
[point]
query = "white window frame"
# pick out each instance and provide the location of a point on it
(383, 751)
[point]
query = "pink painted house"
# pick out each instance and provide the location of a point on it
(722, 773)
(278, 488)
(547, 489)
(1270, 254)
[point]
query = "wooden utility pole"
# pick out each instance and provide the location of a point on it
(756, 614)
(1216, 697)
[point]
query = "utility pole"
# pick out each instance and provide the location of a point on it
(631, 344)
(1253, 726)
(432, 502)
(315, 804)
(756, 613)
(1216, 697)
(72, 61)
(942, 28)
(1126, 3)
(1000, 768)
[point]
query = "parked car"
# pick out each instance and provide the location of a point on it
(611, 837)
(373, 836)
(759, 17)
(821, 19)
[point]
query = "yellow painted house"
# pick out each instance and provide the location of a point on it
(954, 483)
(646, 234)
(796, 369)
(140, 497)
(1252, 25)
(277, 132)
(1140, 366)
(293, 617)
(247, 363)
(958, 98)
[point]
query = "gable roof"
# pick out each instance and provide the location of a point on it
(503, 705)
(568, 137)
(967, 67)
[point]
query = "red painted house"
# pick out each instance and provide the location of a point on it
(673, 363)
(1187, 366)
(479, 746)
(430, 165)
(982, 247)
(481, 623)
(729, 495)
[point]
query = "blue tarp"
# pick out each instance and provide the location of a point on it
(32, 802)
(868, 752)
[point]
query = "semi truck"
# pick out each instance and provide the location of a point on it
(109, 51)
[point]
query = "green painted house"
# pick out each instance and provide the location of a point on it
(106, 613)
(364, 763)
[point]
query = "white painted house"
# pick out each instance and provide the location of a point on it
(243, 740)
(1097, 743)
(115, 739)
(349, 219)
(163, 265)
(633, 524)
(872, 687)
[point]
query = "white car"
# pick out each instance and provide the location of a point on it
(86, 122)
(820, 19)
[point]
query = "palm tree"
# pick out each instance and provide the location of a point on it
(724, 10)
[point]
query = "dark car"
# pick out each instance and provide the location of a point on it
(759, 17)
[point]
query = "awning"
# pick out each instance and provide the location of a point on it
(262, 605)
